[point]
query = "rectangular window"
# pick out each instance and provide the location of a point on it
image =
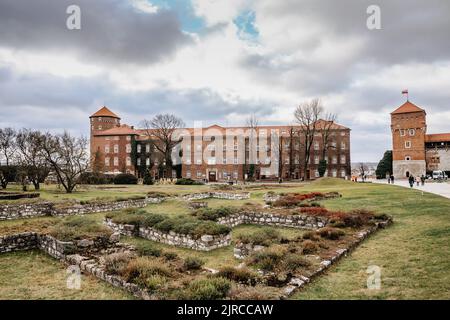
(116, 148)
(199, 174)
(128, 138)
(343, 145)
(334, 160)
(116, 161)
(147, 148)
(211, 161)
(343, 159)
(128, 148)
(188, 174)
(199, 161)
(235, 161)
(412, 132)
(199, 147)
(316, 145)
(343, 174)
(139, 148)
(224, 160)
(128, 161)
(107, 149)
(188, 161)
(407, 144)
(147, 161)
(235, 174)
(138, 161)
(402, 132)
(107, 161)
(317, 174)
(334, 173)
(316, 160)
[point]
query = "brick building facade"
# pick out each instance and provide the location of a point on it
(217, 153)
(414, 152)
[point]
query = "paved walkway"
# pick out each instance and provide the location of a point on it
(442, 189)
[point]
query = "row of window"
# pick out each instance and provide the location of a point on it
(213, 161)
(334, 173)
(411, 132)
(224, 174)
(116, 148)
(116, 161)
(212, 147)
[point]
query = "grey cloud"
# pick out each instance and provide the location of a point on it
(49, 102)
(112, 31)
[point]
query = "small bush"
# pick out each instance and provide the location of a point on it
(263, 237)
(125, 178)
(142, 270)
(241, 275)
(116, 263)
(293, 262)
(169, 256)
(267, 259)
(214, 214)
(315, 211)
(330, 233)
(309, 247)
(208, 289)
(193, 263)
(148, 249)
(310, 235)
(188, 182)
(78, 227)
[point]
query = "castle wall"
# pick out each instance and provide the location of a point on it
(414, 167)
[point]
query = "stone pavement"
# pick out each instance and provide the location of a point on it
(442, 189)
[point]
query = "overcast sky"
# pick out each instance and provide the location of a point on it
(220, 60)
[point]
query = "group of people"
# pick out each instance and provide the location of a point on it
(391, 179)
(418, 180)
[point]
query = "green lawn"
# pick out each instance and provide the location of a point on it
(413, 254)
(34, 275)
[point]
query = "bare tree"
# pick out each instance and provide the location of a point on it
(306, 115)
(7, 144)
(67, 156)
(325, 130)
(162, 127)
(252, 125)
(362, 170)
(7, 151)
(30, 159)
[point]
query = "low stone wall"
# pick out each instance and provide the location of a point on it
(270, 197)
(272, 219)
(243, 250)
(217, 195)
(204, 243)
(18, 242)
(20, 211)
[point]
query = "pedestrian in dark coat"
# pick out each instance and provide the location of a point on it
(411, 181)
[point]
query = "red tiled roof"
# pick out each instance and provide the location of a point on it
(437, 137)
(119, 131)
(105, 112)
(406, 108)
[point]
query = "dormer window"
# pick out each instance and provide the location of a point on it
(412, 132)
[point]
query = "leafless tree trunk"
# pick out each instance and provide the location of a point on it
(306, 116)
(67, 156)
(162, 128)
(7, 144)
(30, 158)
(252, 125)
(325, 130)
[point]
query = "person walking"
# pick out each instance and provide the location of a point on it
(418, 180)
(411, 181)
(389, 179)
(392, 178)
(422, 179)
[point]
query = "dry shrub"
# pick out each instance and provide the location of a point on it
(144, 271)
(330, 233)
(116, 263)
(241, 275)
(309, 247)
